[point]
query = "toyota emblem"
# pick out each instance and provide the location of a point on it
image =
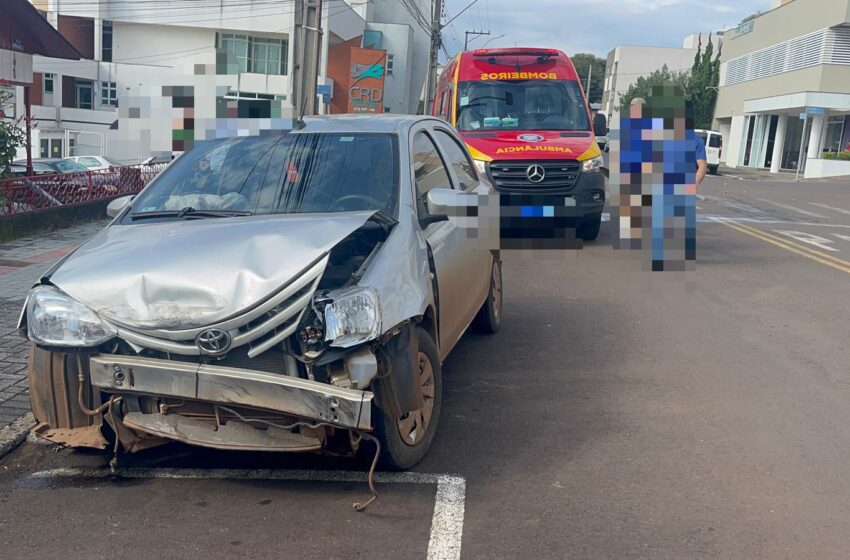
(213, 342)
(535, 173)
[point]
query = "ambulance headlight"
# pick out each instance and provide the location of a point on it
(481, 166)
(592, 164)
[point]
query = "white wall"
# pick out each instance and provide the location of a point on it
(397, 40)
(393, 11)
(257, 16)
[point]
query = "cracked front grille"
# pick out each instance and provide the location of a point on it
(261, 328)
(513, 176)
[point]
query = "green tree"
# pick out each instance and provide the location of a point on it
(705, 77)
(12, 137)
(644, 84)
(583, 62)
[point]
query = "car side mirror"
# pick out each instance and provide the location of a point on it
(446, 201)
(118, 205)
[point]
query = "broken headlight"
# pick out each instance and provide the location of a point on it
(56, 319)
(352, 317)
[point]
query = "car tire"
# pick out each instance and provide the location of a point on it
(713, 169)
(404, 452)
(589, 230)
(489, 318)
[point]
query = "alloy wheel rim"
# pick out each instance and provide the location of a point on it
(412, 426)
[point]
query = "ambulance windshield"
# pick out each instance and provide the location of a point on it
(521, 105)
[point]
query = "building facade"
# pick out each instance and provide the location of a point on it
(784, 95)
(155, 79)
(628, 63)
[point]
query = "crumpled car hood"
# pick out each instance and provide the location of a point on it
(192, 273)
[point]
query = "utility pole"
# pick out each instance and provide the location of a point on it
(476, 33)
(436, 41)
(307, 45)
(589, 75)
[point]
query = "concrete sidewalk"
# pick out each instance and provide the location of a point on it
(22, 261)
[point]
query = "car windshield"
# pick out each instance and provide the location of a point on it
(67, 166)
(290, 173)
(521, 105)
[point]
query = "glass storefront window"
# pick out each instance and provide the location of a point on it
(834, 133)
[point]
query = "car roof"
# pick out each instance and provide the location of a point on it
(38, 160)
(381, 123)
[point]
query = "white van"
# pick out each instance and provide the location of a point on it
(713, 148)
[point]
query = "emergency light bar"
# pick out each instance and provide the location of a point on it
(492, 53)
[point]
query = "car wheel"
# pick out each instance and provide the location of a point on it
(489, 318)
(589, 230)
(405, 440)
(713, 169)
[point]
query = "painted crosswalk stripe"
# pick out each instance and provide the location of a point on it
(793, 208)
(833, 208)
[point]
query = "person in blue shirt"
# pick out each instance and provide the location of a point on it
(664, 161)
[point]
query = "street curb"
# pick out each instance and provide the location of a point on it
(15, 433)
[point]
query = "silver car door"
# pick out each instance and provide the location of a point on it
(466, 179)
(447, 241)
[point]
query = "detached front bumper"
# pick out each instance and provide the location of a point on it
(312, 400)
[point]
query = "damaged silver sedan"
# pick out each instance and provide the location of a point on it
(295, 291)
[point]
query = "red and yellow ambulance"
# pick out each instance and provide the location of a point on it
(524, 117)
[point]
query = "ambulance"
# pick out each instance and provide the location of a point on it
(524, 117)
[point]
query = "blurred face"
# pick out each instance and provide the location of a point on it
(203, 166)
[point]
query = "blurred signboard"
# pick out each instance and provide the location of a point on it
(743, 29)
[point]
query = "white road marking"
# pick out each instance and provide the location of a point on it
(833, 208)
(793, 208)
(842, 236)
(714, 218)
(810, 238)
(446, 523)
(745, 208)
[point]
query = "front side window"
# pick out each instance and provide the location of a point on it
(88, 162)
(428, 168)
(457, 160)
(522, 105)
(290, 173)
(108, 94)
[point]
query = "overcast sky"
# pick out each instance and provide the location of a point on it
(595, 26)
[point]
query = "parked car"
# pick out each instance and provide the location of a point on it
(287, 292)
(49, 166)
(95, 163)
(713, 148)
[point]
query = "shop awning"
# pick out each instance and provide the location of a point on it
(797, 102)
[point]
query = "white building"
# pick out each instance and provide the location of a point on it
(628, 63)
(790, 62)
(156, 77)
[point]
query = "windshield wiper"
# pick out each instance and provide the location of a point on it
(189, 212)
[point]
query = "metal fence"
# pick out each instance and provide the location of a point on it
(22, 195)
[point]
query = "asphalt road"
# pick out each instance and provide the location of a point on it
(618, 414)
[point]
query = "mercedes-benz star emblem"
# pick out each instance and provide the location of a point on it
(535, 173)
(213, 341)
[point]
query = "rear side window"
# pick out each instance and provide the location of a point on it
(88, 161)
(457, 160)
(428, 168)
(715, 141)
